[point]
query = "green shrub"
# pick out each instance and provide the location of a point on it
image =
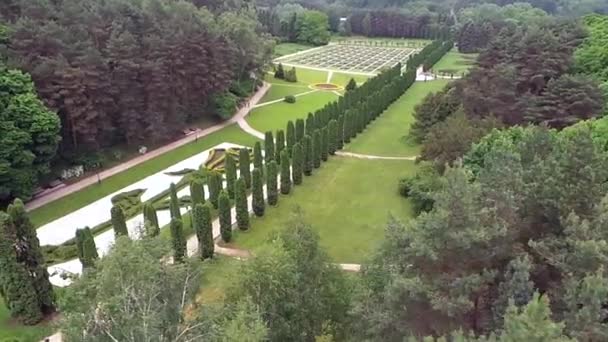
(224, 105)
(290, 99)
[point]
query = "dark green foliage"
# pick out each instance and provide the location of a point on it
(316, 149)
(340, 133)
(332, 132)
(290, 99)
(201, 222)
(242, 208)
(258, 161)
(280, 145)
(257, 193)
(310, 124)
(347, 128)
(352, 85)
(299, 130)
(118, 222)
(297, 168)
(151, 220)
(225, 217)
(224, 105)
(290, 75)
(420, 188)
(29, 136)
(214, 182)
(308, 155)
(197, 190)
(285, 174)
(245, 167)
(230, 175)
(324, 144)
(18, 291)
(174, 204)
(280, 72)
(291, 137)
(87, 251)
(178, 240)
(269, 147)
(271, 183)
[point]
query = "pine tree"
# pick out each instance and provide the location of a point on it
(214, 181)
(151, 220)
(297, 164)
(333, 137)
(269, 147)
(230, 175)
(85, 244)
(324, 144)
(291, 137)
(285, 174)
(271, 183)
(299, 130)
(257, 192)
(178, 240)
(340, 133)
(118, 222)
(242, 207)
(258, 161)
(174, 206)
(30, 254)
(16, 287)
(197, 192)
(245, 167)
(316, 150)
(201, 220)
(352, 85)
(225, 216)
(280, 145)
(308, 155)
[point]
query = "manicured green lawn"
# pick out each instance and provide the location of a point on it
(289, 48)
(279, 91)
(275, 116)
(94, 192)
(455, 62)
(387, 135)
(11, 331)
(347, 201)
(342, 79)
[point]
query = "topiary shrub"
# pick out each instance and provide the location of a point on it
(290, 99)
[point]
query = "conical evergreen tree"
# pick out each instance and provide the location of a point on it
(197, 192)
(225, 217)
(324, 144)
(87, 251)
(178, 240)
(201, 220)
(271, 183)
(215, 186)
(310, 124)
(118, 222)
(299, 130)
(333, 137)
(347, 128)
(291, 137)
(258, 161)
(297, 169)
(340, 133)
(245, 167)
(242, 208)
(308, 155)
(30, 254)
(230, 175)
(174, 206)
(280, 72)
(316, 150)
(15, 284)
(269, 147)
(280, 145)
(257, 192)
(352, 85)
(151, 220)
(285, 174)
